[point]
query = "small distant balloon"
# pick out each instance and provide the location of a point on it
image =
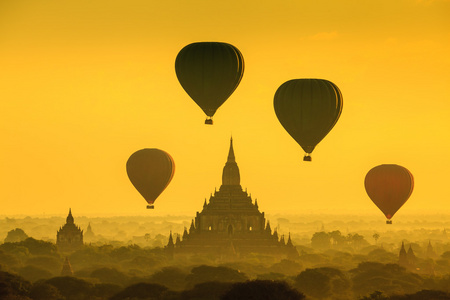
(209, 72)
(150, 171)
(308, 109)
(389, 187)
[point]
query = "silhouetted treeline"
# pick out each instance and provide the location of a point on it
(332, 265)
(14, 287)
(316, 274)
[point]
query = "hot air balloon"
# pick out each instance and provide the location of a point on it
(150, 171)
(209, 72)
(389, 186)
(308, 109)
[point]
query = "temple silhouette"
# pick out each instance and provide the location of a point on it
(70, 236)
(230, 224)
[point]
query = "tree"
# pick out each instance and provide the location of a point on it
(314, 259)
(323, 283)
(146, 262)
(336, 238)
(314, 283)
(9, 260)
(207, 273)
(106, 290)
(171, 277)
(320, 240)
(110, 275)
(45, 291)
(386, 278)
(141, 291)
(212, 290)
(423, 294)
(18, 251)
(262, 290)
(376, 236)
(377, 295)
(271, 276)
(38, 247)
(13, 285)
(71, 288)
(52, 264)
(15, 236)
(33, 273)
(382, 256)
(446, 255)
(89, 256)
(357, 240)
(287, 267)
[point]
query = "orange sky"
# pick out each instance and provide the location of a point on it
(84, 84)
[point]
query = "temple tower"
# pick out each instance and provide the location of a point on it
(67, 268)
(230, 223)
(69, 237)
(402, 257)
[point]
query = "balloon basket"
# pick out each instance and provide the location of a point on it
(209, 121)
(388, 221)
(150, 207)
(307, 158)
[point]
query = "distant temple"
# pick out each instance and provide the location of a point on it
(430, 251)
(67, 268)
(70, 236)
(402, 257)
(89, 235)
(407, 259)
(230, 224)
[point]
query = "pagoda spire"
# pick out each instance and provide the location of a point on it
(231, 157)
(411, 256)
(268, 229)
(289, 242)
(170, 243)
(402, 256)
(69, 219)
(230, 175)
(185, 233)
(67, 268)
(192, 228)
(282, 242)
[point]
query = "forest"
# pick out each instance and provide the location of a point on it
(340, 257)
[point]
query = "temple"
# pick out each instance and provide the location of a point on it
(89, 235)
(407, 259)
(67, 268)
(69, 237)
(230, 224)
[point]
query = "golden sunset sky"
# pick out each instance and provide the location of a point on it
(84, 84)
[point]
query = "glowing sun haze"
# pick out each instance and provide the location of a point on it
(84, 84)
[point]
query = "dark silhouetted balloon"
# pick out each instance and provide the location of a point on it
(209, 72)
(150, 171)
(389, 186)
(308, 109)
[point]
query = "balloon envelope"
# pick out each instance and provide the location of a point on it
(389, 186)
(308, 109)
(209, 72)
(150, 171)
